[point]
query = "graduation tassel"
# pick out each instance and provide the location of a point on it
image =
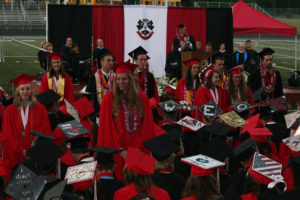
(58, 174)
(218, 180)
(95, 188)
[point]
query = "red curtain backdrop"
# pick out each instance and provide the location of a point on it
(108, 24)
(194, 20)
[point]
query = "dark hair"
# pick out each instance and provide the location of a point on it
(248, 41)
(264, 193)
(242, 87)
(296, 172)
(208, 44)
(180, 26)
(264, 147)
(209, 83)
(200, 187)
(105, 54)
(222, 43)
(141, 182)
(218, 57)
(189, 80)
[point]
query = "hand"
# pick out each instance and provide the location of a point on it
(123, 154)
(25, 154)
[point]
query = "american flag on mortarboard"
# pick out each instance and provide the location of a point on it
(266, 166)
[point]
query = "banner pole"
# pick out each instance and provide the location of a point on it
(47, 36)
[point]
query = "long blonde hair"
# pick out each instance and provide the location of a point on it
(132, 96)
(17, 98)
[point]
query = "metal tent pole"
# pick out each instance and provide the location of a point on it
(296, 36)
(47, 36)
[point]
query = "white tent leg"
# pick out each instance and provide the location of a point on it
(296, 60)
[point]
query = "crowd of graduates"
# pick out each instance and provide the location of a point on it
(118, 139)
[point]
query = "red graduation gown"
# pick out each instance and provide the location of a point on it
(68, 90)
(12, 128)
(179, 93)
(129, 191)
(203, 95)
(189, 198)
(113, 134)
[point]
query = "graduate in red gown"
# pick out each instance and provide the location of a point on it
(137, 172)
(21, 118)
(125, 118)
(187, 87)
(237, 90)
(57, 79)
(211, 91)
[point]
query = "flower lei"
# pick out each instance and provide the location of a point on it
(130, 124)
(267, 85)
(144, 82)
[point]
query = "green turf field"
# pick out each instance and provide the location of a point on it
(27, 62)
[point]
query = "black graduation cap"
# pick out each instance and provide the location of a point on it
(25, 184)
(56, 191)
(8, 102)
(161, 147)
(279, 104)
(217, 129)
(241, 107)
(210, 110)
(169, 106)
(257, 95)
(45, 153)
(266, 51)
(216, 149)
(231, 194)
(104, 155)
(296, 160)
(174, 135)
(78, 143)
(42, 135)
(72, 128)
(245, 150)
(136, 52)
(279, 131)
(48, 98)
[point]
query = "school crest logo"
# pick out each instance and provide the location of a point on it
(145, 28)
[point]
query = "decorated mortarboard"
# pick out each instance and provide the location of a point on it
(218, 129)
(245, 150)
(69, 109)
(257, 95)
(291, 118)
(279, 104)
(191, 123)
(42, 135)
(56, 191)
(136, 52)
(83, 107)
(266, 51)
(104, 155)
(266, 171)
(235, 70)
(184, 105)
(48, 98)
(297, 131)
(72, 128)
(25, 184)
(55, 56)
(169, 106)
(233, 119)
(241, 107)
(260, 135)
(216, 149)
(231, 194)
(82, 172)
(252, 122)
(45, 153)
(22, 79)
(202, 165)
(79, 142)
(191, 62)
(161, 147)
(139, 162)
(210, 110)
(293, 143)
(84, 91)
(2, 91)
(124, 67)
